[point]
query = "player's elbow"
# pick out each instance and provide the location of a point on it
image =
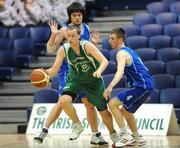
(50, 48)
(106, 62)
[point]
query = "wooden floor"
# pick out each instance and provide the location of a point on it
(61, 141)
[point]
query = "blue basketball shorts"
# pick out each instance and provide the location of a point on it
(62, 80)
(133, 98)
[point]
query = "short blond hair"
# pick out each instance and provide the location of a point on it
(120, 32)
(76, 27)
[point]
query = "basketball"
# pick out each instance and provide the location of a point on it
(39, 78)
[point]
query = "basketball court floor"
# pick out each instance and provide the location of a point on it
(61, 141)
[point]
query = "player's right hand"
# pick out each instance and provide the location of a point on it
(97, 74)
(54, 27)
(107, 93)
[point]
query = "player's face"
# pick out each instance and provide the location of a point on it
(73, 37)
(76, 18)
(114, 41)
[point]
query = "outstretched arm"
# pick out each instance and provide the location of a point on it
(94, 52)
(56, 37)
(57, 63)
(121, 62)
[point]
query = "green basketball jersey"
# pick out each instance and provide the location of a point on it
(82, 66)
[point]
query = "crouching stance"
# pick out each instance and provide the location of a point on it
(141, 86)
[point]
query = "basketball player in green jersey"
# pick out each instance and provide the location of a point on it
(86, 63)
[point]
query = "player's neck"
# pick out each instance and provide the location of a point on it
(121, 46)
(76, 49)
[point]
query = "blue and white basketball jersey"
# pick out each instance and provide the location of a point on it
(136, 73)
(85, 32)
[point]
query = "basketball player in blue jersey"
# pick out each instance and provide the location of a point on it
(141, 86)
(75, 12)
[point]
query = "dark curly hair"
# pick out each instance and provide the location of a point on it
(75, 7)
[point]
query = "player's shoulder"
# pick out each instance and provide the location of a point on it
(125, 49)
(66, 45)
(122, 53)
(61, 50)
(86, 45)
(86, 26)
(83, 41)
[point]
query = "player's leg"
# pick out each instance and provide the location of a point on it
(139, 140)
(101, 105)
(139, 96)
(132, 100)
(66, 104)
(91, 114)
(56, 110)
(114, 106)
(54, 114)
(96, 137)
(108, 121)
(130, 119)
(94, 93)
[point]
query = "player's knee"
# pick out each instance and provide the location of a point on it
(64, 101)
(112, 103)
(89, 107)
(105, 113)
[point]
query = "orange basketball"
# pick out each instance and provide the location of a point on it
(39, 78)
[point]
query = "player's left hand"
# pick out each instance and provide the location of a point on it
(54, 27)
(97, 74)
(107, 93)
